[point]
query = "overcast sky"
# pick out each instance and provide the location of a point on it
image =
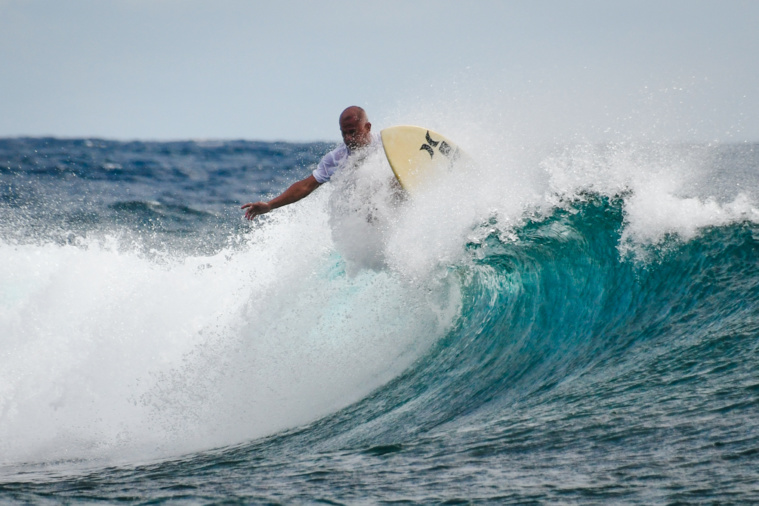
(283, 70)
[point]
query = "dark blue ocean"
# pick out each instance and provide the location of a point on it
(573, 323)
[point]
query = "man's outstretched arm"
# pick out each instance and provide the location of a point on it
(294, 193)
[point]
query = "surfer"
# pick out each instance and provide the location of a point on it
(357, 136)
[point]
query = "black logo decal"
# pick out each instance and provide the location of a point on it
(444, 148)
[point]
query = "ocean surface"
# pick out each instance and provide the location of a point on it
(571, 323)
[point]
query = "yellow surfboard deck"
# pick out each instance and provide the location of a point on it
(418, 156)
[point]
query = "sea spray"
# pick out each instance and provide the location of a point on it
(114, 353)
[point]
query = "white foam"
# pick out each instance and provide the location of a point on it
(656, 212)
(667, 190)
(108, 354)
(533, 155)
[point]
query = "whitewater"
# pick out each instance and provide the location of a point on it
(565, 322)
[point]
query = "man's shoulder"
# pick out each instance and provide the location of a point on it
(336, 155)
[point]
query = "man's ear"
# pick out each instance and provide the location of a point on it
(368, 127)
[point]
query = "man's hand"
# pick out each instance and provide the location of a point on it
(294, 193)
(255, 208)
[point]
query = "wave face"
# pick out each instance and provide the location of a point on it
(574, 324)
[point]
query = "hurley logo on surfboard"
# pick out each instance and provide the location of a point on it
(408, 156)
(444, 148)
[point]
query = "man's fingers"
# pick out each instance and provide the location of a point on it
(254, 209)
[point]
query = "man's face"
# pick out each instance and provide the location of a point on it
(356, 132)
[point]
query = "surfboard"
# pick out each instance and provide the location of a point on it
(417, 155)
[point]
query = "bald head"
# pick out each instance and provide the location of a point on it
(353, 111)
(355, 127)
